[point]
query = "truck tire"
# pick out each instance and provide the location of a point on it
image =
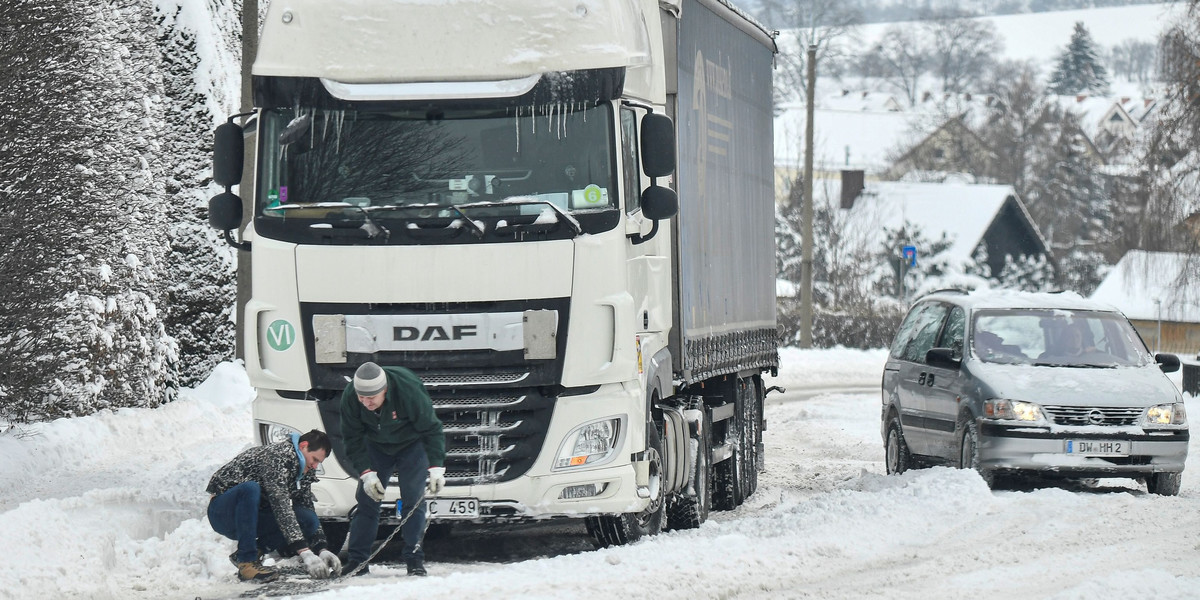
(750, 436)
(686, 511)
(335, 535)
(618, 530)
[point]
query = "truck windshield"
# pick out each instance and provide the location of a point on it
(422, 175)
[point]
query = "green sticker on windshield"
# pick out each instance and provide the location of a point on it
(593, 196)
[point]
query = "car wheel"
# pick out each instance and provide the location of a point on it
(968, 457)
(897, 458)
(1164, 484)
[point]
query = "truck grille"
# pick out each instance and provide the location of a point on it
(491, 438)
(1087, 415)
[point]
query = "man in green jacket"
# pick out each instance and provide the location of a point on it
(389, 427)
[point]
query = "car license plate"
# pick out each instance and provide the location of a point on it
(452, 508)
(1098, 447)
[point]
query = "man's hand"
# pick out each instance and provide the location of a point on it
(331, 560)
(372, 486)
(437, 480)
(317, 569)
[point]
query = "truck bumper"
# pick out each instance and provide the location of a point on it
(611, 487)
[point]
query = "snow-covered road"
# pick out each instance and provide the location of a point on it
(111, 506)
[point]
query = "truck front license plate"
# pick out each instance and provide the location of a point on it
(1098, 447)
(452, 508)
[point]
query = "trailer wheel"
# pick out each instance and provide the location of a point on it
(618, 530)
(687, 511)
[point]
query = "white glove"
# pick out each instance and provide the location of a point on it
(331, 560)
(317, 569)
(437, 480)
(372, 486)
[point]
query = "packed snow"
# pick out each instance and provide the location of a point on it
(112, 506)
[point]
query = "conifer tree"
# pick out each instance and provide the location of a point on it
(1078, 69)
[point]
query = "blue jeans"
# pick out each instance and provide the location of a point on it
(410, 466)
(237, 515)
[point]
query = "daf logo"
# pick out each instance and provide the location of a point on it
(1095, 417)
(433, 333)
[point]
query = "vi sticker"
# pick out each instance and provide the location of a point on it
(281, 335)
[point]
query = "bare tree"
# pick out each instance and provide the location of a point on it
(1134, 60)
(824, 23)
(901, 57)
(963, 49)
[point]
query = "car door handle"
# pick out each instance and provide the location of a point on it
(925, 379)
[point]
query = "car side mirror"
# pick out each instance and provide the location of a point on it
(1169, 363)
(942, 357)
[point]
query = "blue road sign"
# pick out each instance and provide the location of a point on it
(910, 252)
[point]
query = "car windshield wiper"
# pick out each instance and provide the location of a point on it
(1075, 365)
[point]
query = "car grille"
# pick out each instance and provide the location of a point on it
(1089, 415)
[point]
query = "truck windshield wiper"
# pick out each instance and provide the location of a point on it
(369, 225)
(563, 217)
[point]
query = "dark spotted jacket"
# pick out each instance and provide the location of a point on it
(277, 469)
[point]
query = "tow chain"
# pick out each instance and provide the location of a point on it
(312, 586)
(420, 539)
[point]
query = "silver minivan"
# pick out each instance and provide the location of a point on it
(1012, 383)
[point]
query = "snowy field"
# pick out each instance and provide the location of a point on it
(111, 506)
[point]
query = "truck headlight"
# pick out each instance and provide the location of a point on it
(1012, 410)
(590, 444)
(1165, 414)
(273, 433)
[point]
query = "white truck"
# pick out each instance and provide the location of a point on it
(559, 215)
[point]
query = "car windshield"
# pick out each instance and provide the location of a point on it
(397, 170)
(1057, 338)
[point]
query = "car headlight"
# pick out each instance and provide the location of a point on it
(590, 444)
(1165, 414)
(1012, 410)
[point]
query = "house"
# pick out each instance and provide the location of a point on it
(861, 140)
(973, 217)
(950, 146)
(1157, 291)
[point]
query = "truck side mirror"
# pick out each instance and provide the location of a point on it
(658, 145)
(228, 154)
(225, 211)
(659, 202)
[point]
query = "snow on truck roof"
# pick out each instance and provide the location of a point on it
(1002, 299)
(407, 41)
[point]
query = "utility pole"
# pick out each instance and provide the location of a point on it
(249, 51)
(806, 210)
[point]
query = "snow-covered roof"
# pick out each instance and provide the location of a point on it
(961, 211)
(861, 101)
(848, 139)
(1141, 278)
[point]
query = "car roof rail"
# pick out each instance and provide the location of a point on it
(952, 290)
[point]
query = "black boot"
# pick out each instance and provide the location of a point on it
(349, 567)
(415, 567)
